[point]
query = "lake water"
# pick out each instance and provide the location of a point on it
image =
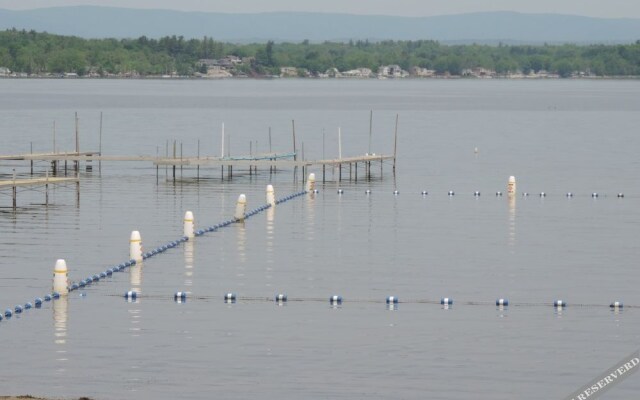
(554, 136)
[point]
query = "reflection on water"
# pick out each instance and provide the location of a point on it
(135, 276)
(512, 221)
(188, 263)
(60, 315)
(271, 213)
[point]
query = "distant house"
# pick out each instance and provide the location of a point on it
(358, 73)
(288, 72)
(422, 72)
(392, 71)
(217, 72)
(333, 73)
(4, 71)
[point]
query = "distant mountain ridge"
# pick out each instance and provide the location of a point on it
(509, 27)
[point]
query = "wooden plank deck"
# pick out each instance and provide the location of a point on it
(35, 181)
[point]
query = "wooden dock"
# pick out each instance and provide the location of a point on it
(14, 184)
(272, 161)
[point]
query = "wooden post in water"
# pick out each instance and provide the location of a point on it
(395, 146)
(46, 189)
(77, 163)
(31, 143)
(198, 168)
(157, 166)
(15, 191)
(78, 189)
(100, 145)
(174, 158)
(370, 130)
(181, 160)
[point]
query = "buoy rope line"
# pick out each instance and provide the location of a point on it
(443, 301)
(38, 301)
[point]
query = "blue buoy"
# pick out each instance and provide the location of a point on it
(559, 303)
(55, 295)
(28, 306)
(0, 317)
(498, 194)
(230, 298)
(95, 278)
(87, 281)
(445, 301)
(81, 284)
(74, 286)
(502, 302)
(424, 193)
(131, 295)
(616, 304)
(451, 193)
(103, 275)
(18, 309)
(47, 297)
(180, 296)
(8, 313)
(38, 301)
(281, 298)
(108, 272)
(392, 300)
(335, 299)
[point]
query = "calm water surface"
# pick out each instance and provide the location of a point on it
(555, 136)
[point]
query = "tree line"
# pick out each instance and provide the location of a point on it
(38, 53)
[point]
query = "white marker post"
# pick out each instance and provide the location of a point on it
(511, 186)
(135, 247)
(311, 183)
(189, 225)
(241, 208)
(61, 278)
(271, 196)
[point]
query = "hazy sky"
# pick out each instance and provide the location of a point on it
(595, 8)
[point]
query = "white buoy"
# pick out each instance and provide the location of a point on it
(61, 277)
(476, 193)
(502, 302)
(451, 193)
(368, 191)
(311, 183)
(620, 195)
(271, 196)
(616, 304)
(189, 225)
(135, 247)
(559, 303)
(498, 194)
(511, 186)
(241, 207)
(594, 195)
(543, 194)
(569, 194)
(424, 193)
(445, 301)
(340, 191)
